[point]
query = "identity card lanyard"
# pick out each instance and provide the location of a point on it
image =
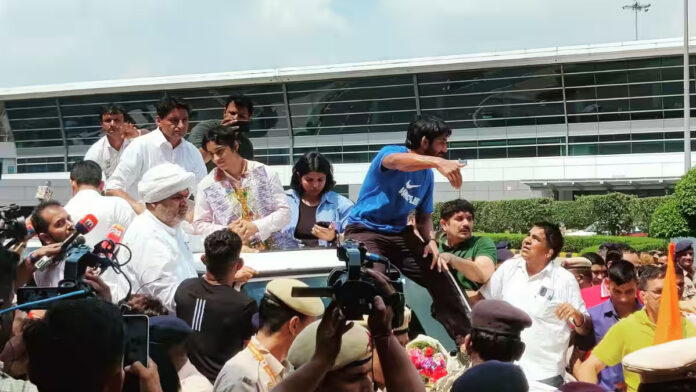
(262, 360)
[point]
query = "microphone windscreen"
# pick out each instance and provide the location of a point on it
(86, 224)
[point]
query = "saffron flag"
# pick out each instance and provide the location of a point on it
(669, 317)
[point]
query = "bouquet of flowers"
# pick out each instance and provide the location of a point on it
(429, 357)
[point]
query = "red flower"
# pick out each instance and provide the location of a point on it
(429, 352)
(439, 373)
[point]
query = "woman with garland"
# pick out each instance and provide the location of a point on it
(242, 195)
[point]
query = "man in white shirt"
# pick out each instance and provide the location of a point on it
(161, 258)
(550, 295)
(165, 144)
(108, 149)
(85, 183)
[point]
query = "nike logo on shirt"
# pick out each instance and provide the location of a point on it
(410, 186)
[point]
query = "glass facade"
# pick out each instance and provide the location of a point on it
(524, 111)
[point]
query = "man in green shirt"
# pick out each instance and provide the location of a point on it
(473, 257)
(634, 332)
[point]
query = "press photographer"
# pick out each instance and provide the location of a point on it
(330, 355)
(52, 225)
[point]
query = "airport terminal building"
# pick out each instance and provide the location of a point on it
(557, 122)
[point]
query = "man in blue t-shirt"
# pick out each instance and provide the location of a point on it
(398, 181)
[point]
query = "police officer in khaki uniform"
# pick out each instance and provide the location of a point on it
(668, 367)
(262, 364)
(581, 268)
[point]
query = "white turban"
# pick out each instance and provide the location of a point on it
(163, 181)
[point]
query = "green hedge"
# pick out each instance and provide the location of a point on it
(685, 194)
(642, 210)
(572, 214)
(668, 222)
(582, 244)
(614, 213)
(610, 212)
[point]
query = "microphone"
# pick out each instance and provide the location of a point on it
(84, 226)
(46, 261)
(107, 247)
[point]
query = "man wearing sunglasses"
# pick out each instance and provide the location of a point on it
(635, 331)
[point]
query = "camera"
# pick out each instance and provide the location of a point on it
(353, 289)
(76, 260)
(12, 225)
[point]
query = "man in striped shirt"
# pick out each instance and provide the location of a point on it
(219, 315)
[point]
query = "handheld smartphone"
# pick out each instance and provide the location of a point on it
(324, 224)
(137, 338)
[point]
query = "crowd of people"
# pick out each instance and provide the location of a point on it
(535, 321)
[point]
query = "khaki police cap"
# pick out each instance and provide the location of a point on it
(675, 360)
(355, 346)
(577, 262)
(282, 289)
(400, 329)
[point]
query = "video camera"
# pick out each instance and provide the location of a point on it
(76, 259)
(353, 289)
(12, 225)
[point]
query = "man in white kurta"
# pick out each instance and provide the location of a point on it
(161, 258)
(108, 149)
(165, 144)
(85, 183)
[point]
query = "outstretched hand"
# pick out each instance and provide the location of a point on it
(330, 334)
(450, 170)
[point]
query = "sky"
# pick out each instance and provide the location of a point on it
(49, 41)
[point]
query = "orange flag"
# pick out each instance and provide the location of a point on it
(669, 317)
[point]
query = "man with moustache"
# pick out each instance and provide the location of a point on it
(550, 295)
(398, 181)
(160, 256)
(165, 144)
(684, 257)
(117, 136)
(473, 257)
(238, 113)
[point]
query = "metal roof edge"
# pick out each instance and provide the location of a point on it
(576, 53)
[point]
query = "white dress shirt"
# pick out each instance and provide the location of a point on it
(105, 155)
(146, 152)
(539, 295)
(205, 222)
(109, 210)
(161, 259)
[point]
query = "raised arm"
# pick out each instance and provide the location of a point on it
(411, 162)
(138, 207)
(329, 336)
(399, 372)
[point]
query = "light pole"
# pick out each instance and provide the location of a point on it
(687, 92)
(636, 7)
